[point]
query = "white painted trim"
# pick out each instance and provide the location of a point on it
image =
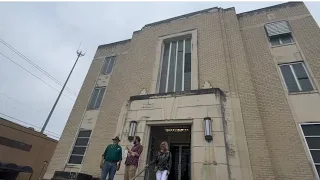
(183, 62)
(295, 76)
(168, 68)
(175, 69)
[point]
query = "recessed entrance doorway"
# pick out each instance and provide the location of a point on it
(179, 140)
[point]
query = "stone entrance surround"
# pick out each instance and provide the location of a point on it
(222, 158)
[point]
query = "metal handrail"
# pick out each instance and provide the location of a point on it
(142, 172)
(139, 173)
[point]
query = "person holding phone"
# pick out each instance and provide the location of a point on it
(132, 160)
(111, 160)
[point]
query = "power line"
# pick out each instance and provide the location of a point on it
(33, 74)
(43, 82)
(78, 101)
(19, 102)
(52, 133)
(34, 64)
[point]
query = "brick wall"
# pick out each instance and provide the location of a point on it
(288, 157)
(61, 154)
(241, 77)
(117, 92)
(133, 72)
(233, 55)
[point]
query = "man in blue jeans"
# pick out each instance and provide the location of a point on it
(111, 159)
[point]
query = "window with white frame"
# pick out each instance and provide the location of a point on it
(176, 66)
(296, 77)
(311, 132)
(279, 33)
(80, 147)
(96, 98)
(108, 64)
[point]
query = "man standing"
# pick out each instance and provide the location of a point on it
(133, 159)
(111, 159)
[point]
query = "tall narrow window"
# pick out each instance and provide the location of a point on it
(311, 132)
(296, 77)
(176, 66)
(80, 147)
(96, 98)
(108, 65)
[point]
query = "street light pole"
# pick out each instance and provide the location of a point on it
(79, 54)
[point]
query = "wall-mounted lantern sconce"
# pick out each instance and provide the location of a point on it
(207, 128)
(132, 130)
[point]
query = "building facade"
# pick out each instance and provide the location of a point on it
(235, 95)
(24, 153)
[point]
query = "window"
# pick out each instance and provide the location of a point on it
(311, 133)
(15, 144)
(80, 147)
(279, 33)
(281, 39)
(176, 66)
(296, 77)
(108, 65)
(96, 98)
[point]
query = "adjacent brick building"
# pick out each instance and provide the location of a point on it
(254, 75)
(24, 153)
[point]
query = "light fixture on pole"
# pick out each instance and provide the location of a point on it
(79, 54)
(208, 129)
(132, 130)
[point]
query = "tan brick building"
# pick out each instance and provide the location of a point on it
(24, 152)
(255, 75)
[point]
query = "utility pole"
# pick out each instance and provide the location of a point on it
(79, 54)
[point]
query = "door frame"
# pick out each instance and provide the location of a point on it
(175, 122)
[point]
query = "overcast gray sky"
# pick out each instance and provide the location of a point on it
(50, 33)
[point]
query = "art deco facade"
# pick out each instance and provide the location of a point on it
(249, 81)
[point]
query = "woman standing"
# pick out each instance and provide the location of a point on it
(162, 162)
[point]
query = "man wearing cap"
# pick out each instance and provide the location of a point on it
(111, 159)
